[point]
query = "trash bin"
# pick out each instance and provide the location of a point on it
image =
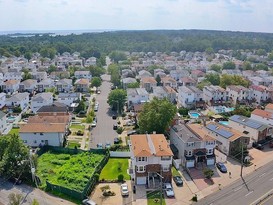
(134, 189)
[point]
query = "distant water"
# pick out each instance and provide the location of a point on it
(29, 33)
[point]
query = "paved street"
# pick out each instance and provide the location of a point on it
(103, 132)
(29, 194)
(256, 185)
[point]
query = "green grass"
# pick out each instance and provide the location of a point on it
(70, 171)
(175, 172)
(111, 169)
(77, 127)
(14, 131)
(153, 198)
(72, 144)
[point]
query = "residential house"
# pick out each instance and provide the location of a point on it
(238, 94)
(83, 74)
(2, 100)
(40, 100)
(269, 107)
(3, 122)
(259, 93)
(55, 75)
(169, 81)
(187, 81)
(248, 73)
(214, 95)
(18, 100)
(65, 119)
(28, 85)
(137, 96)
(10, 86)
(69, 98)
(232, 72)
(190, 97)
(39, 76)
(39, 134)
(13, 76)
(82, 85)
(195, 74)
(126, 81)
(158, 92)
(228, 139)
(64, 85)
(148, 83)
(263, 116)
(191, 144)
(171, 94)
(253, 129)
(56, 109)
(90, 62)
(256, 80)
(45, 84)
(150, 155)
(144, 74)
(178, 74)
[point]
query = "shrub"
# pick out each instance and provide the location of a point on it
(120, 130)
(120, 177)
(208, 173)
(194, 198)
(96, 176)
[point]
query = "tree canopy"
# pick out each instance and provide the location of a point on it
(116, 99)
(96, 81)
(227, 80)
(229, 65)
(214, 79)
(156, 116)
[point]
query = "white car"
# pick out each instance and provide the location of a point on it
(124, 190)
(93, 124)
(169, 190)
(107, 145)
(88, 202)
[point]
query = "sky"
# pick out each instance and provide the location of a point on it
(44, 15)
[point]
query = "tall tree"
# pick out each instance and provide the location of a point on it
(156, 116)
(96, 81)
(229, 65)
(227, 80)
(158, 80)
(214, 79)
(117, 99)
(216, 67)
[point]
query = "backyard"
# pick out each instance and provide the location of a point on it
(153, 198)
(70, 171)
(77, 127)
(115, 167)
(14, 131)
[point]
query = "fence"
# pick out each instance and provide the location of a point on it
(92, 181)
(119, 154)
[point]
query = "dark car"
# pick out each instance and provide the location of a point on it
(222, 168)
(15, 180)
(116, 140)
(115, 127)
(178, 180)
(260, 147)
(114, 117)
(132, 132)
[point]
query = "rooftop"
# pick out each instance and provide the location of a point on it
(42, 127)
(248, 122)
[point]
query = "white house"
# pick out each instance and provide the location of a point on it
(150, 154)
(253, 129)
(190, 144)
(263, 116)
(189, 96)
(39, 134)
(2, 100)
(28, 85)
(40, 100)
(178, 74)
(64, 85)
(3, 122)
(13, 76)
(10, 86)
(83, 74)
(39, 76)
(45, 84)
(91, 61)
(215, 94)
(259, 93)
(69, 98)
(238, 93)
(126, 81)
(18, 100)
(137, 96)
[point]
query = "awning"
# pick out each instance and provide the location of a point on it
(200, 153)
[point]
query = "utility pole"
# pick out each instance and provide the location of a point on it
(161, 187)
(242, 159)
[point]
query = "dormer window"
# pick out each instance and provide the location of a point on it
(142, 159)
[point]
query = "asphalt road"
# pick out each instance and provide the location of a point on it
(103, 132)
(29, 194)
(254, 187)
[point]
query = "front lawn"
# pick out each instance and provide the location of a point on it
(14, 131)
(70, 171)
(73, 144)
(153, 198)
(115, 167)
(77, 127)
(175, 172)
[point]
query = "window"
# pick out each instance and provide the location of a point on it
(209, 151)
(190, 153)
(24, 141)
(35, 141)
(190, 144)
(210, 143)
(165, 168)
(165, 158)
(141, 168)
(142, 159)
(41, 133)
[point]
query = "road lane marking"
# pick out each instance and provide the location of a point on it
(262, 175)
(249, 193)
(238, 188)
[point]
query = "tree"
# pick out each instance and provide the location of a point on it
(247, 65)
(229, 65)
(96, 71)
(158, 80)
(28, 55)
(133, 85)
(15, 157)
(214, 79)
(208, 173)
(156, 116)
(202, 84)
(183, 111)
(15, 199)
(114, 71)
(227, 80)
(35, 202)
(81, 106)
(270, 56)
(96, 81)
(261, 52)
(216, 67)
(116, 99)
(209, 51)
(261, 66)
(117, 56)
(26, 75)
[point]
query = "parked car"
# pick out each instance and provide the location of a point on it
(98, 92)
(93, 124)
(124, 190)
(79, 133)
(260, 147)
(114, 117)
(271, 144)
(178, 180)
(107, 145)
(131, 132)
(168, 190)
(96, 108)
(100, 146)
(15, 180)
(88, 202)
(115, 127)
(116, 140)
(222, 168)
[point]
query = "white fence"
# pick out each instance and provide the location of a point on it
(119, 154)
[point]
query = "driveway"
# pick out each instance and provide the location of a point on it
(103, 132)
(112, 200)
(29, 194)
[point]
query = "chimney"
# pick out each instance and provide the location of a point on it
(154, 132)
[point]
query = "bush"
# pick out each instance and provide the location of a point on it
(208, 173)
(120, 178)
(194, 198)
(96, 176)
(120, 130)
(183, 111)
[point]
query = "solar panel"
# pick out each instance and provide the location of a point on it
(253, 124)
(226, 134)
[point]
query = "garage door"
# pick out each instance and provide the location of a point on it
(210, 161)
(190, 164)
(141, 180)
